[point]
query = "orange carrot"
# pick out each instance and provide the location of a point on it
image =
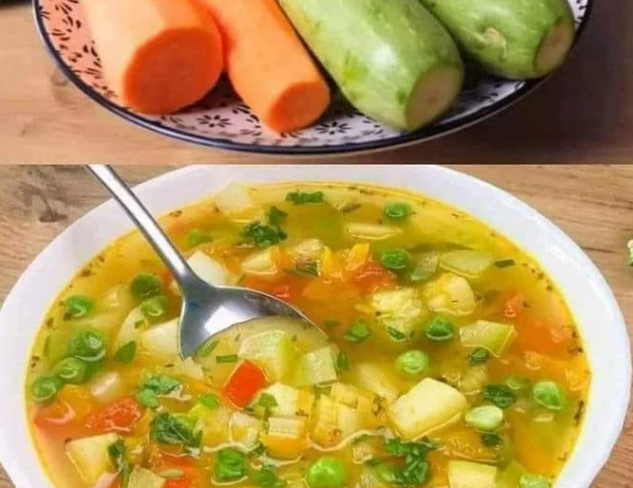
(244, 383)
(268, 65)
(157, 55)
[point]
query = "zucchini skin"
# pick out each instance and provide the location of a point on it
(377, 51)
(503, 36)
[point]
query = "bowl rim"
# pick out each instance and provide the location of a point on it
(424, 134)
(595, 452)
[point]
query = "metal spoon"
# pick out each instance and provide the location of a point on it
(207, 309)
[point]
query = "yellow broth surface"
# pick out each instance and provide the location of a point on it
(428, 316)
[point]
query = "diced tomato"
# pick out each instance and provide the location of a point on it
(247, 379)
(118, 416)
(372, 276)
(191, 474)
(514, 306)
(182, 482)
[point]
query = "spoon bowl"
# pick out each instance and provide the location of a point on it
(207, 309)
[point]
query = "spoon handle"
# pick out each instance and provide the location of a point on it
(137, 212)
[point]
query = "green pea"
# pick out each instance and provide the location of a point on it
(397, 210)
(533, 481)
(478, 356)
(45, 389)
(327, 472)
(486, 418)
(440, 329)
(395, 259)
(195, 237)
(549, 394)
(155, 307)
(88, 345)
(146, 285)
(72, 370)
(517, 383)
(78, 306)
(412, 363)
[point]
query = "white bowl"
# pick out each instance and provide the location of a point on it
(588, 295)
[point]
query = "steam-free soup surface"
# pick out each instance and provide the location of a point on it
(448, 359)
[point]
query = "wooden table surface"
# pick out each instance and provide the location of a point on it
(593, 204)
(583, 114)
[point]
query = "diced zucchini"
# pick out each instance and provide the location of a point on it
(214, 423)
(450, 294)
(493, 336)
(107, 387)
(377, 379)
(287, 427)
(144, 478)
(90, 456)
(371, 232)
(317, 367)
(273, 350)
(262, 263)
(464, 474)
(473, 380)
(325, 430)
(162, 339)
(207, 268)
(468, 263)
(399, 312)
(131, 328)
(286, 437)
(233, 199)
(290, 401)
(351, 421)
(310, 249)
(425, 266)
(245, 429)
(369, 478)
(427, 406)
(353, 397)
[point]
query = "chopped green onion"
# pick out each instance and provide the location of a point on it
(505, 263)
(45, 388)
(533, 481)
(266, 477)
(155, 307)
(302, 198)
(517, 383)
(146, 285)
(500, 395)
(358, 332)
(308, 267)
(261, 235)
(478, 356)
(549, 394)
(207, 348)
(395, 259)
(126, 353)
(88, 345)
(177, 429)
(74, 371)
(78, 306)
(491, 440)
(228, 358)
(342, 361)
(276, 216)
(397, 210)
(440, 329)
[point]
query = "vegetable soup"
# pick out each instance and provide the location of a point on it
(446, 357)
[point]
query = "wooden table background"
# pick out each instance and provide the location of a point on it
(583, 114)
(593, 204)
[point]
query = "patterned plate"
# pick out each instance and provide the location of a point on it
(222, 120)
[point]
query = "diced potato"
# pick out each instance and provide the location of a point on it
(353, 397)
(264, 264)
(371, 232)
(351, 421)
(493, 336)
(398, 310)
(233, 199)
(209, 269)
(467, 262)
(131, 328)
(245, 429)
(188, 368)
(375, 378)
(106, 387)
(450, 294)
(144, 478)
(273, 350)
(427, 406)
(325, 431)
(310, 249)
(290, 401)
(286, 437)
(162, 339)
(90, 456)
(317, 367)
(464, 474)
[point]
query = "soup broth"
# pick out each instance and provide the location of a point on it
(445, 358)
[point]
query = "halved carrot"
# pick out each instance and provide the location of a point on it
(268, 65)
(157, 55)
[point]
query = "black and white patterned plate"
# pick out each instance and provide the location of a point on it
(222, 120)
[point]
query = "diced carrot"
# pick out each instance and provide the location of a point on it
(118, 416)
(538, 336)
(182, 482)
(62, 419)
(157, 55)
(247, 379)
(513, 307)
(268, 65)
(185, 464)
(288, 288)
(373, 276)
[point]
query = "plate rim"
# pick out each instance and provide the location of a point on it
(424, 134)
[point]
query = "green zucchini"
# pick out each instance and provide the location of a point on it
(515, 39)
(391, 58)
